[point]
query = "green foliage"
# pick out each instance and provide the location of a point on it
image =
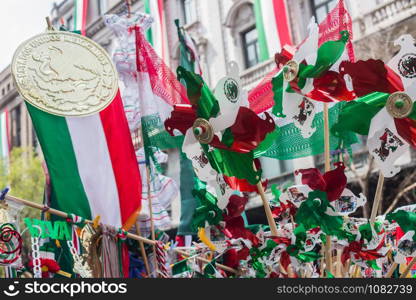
(25, 177)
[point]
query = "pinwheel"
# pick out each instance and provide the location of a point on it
(310, 74)
(317, 199)
(221, 133)
(365, 244)
(384, 111)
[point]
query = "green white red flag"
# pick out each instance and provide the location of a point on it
(91, 163)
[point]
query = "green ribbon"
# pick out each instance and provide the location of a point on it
(366, 231)
(356, 115)
(373, 264)
(328, 54)
(277, 87)
(208, 211)
(311, 214)
(405, 219)
(233, 164)
(199, 94)
(266, 143)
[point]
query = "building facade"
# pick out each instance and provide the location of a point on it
(225, 31)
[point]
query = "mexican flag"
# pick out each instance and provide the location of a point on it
(159, 91)
(92, 165)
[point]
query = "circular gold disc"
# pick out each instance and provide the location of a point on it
(64, 74)
(291, 71)
(399, 105)
(206, 136)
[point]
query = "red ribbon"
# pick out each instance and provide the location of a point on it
(332, 182)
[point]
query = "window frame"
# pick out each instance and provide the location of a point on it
(192, 11)
(315, 7)
(245, 46)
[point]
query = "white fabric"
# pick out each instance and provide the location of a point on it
(95, 167)
(385, 144)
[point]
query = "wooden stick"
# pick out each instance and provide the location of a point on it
(129, 235)
(356, 272)
(328, 256)
(266, 205)
(142, 250)
(408, 268)
(225, 268)
(326, 139)
(391, 270)
(269, 215)
(338, 266)
(346, 269)
(377, 198)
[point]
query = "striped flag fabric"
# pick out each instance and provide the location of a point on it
(80, 15)
(272, 24)
(92, 165)
(155, 35)
(4, 136)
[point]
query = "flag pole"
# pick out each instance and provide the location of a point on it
(143, 250)
(327, 249)
(390, 272)
(377, 198)
(408, 268)
(266, 205)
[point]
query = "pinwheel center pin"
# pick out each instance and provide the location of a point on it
(399, 105)
(203, 131)
(290, 70)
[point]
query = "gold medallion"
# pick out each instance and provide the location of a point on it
(203, 131)
(290, 70)
(399, 105)
(64, 74)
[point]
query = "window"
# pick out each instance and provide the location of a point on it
(189, 11)
(8, 87)
(250, 47)
(3, 91)
(321, 8)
